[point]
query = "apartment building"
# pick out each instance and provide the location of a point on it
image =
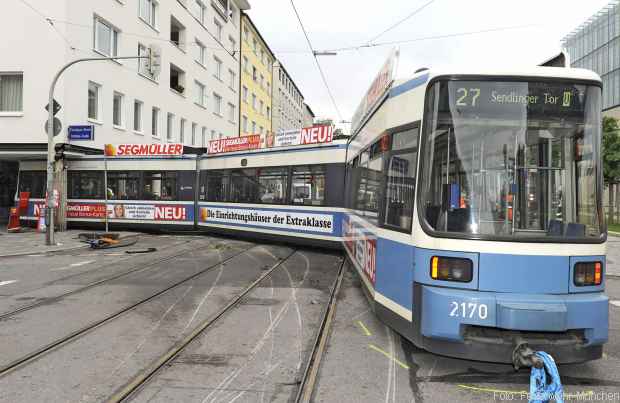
(192, 99)
(288, 102)
(256, 82)
(308, 116)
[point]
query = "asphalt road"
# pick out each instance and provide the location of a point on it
(368, 362)
(256, 352)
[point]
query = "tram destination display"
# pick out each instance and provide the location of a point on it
(501, 99)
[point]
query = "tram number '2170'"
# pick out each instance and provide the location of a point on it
(469, 310)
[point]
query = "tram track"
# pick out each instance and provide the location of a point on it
(309, 378)
(48, 348)
(135, 385)
(133, 270)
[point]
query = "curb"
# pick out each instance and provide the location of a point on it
(614, 233)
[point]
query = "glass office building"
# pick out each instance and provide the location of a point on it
(595, 45)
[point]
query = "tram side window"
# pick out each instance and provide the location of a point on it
(244, 186)
(85, 185)
(217, 184)
(401, 177)
(123, 185)
(272, 185)
(308, 185)
(160, 186)
(33, 182)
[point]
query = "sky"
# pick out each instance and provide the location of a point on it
(541, 25)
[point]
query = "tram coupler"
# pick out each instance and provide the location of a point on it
(524, 357)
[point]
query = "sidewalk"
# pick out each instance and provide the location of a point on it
(32, 243)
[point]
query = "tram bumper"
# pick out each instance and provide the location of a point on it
(486, 325)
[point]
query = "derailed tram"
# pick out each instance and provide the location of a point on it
(474, 212)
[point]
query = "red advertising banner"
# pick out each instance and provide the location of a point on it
(143, 150)
(232, 144)
(85, 210)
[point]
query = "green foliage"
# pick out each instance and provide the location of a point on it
(611, 150)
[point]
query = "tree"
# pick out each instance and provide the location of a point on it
(611, 158)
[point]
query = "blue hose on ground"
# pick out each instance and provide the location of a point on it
(541, 389)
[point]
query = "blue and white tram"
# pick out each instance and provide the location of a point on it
(474, 212)
(280, 193)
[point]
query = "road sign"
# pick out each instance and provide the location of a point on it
(153, 63)
(81, 132)
(57, 107)
(57, 126)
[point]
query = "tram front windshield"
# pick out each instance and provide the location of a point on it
(512, 160)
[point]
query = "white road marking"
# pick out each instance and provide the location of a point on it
(73, 265)
(7, 282)
(615, 303)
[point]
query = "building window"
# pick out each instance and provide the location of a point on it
(262, 56)
(182, 131)
(232, 80)
(246, 34)
(169, 126)
(12, 90)
(117, 109)
(246, 64)
(261, 107)
(177, 33)
(253, 127)
(245, 94)
(201, 94)
(137, 116)
(106, 38)
(177, 79)
(204, 136)
(254, 74)
(233, 44)
(231, 113)
(201, 52)
(148, 12)
(254, 101)
(213, 137)
(200, 11)
(194, 128)
(218, 68)
(233, 14)
(268, 113)
(255, 46)
(262, 79)
(218, 29)
(93, 99)
(217, 104)
(244, 125)
(155, 122)
(261, 130)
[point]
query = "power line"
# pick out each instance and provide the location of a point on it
(400, 22)
(428, 38)
(49, 21)
(316, 60)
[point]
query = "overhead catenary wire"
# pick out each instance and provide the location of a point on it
(391, 27)
(316, 60)
(50, 22)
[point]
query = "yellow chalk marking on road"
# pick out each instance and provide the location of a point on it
(519, 392)
(388, 355)
(364, 328)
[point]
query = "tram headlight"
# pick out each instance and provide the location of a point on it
(588, 274)
(451, 269)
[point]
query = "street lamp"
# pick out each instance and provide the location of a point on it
(154, 56)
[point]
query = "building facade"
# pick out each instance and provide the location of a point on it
(288, 102)
(192, 99)
(595, 45)
(308, 116)
(256, 80)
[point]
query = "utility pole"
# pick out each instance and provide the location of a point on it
(154, 57)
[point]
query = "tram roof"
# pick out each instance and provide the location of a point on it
(538, 72)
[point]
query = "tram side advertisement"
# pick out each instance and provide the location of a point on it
(293, 221)
(361, 246)
(123, 211)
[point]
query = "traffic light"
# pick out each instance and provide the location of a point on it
(59, 150)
